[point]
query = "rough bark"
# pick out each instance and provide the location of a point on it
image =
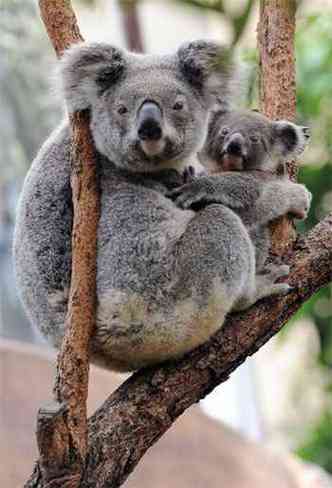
(61, 24)
(277, 87)
(62, 425)
(135, 416)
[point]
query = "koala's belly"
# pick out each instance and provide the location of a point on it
(132, 332)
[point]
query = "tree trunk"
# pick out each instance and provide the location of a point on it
(62, 425)
(277, 87)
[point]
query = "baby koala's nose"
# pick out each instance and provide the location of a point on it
(149, 122)
(235, 145)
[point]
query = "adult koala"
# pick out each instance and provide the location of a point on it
(166, 276)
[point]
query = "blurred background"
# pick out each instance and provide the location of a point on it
(276, 410)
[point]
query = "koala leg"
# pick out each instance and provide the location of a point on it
(260, 236)
(265, 286)
(215, 257)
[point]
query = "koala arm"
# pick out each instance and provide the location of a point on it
(255, 201)
(280, 197)
(234, 190)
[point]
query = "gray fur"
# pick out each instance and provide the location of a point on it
(248, 182)
(166, 277)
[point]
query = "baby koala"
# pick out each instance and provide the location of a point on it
(243, 152)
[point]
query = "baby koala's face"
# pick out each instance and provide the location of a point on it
(247, 140)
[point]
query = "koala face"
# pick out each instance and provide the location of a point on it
(143, 127)
(246, 140)
(147, 112)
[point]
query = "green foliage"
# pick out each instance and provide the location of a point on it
(237, 18)
(314, 102)
(318, 447)
(214, 5)
(27, 110)
(314, 108)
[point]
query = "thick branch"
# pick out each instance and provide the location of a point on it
(146, 405)
(62, 426)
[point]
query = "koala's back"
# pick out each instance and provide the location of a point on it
(42, 241)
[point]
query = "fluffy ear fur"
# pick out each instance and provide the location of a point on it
(207, 66)
(86, 70)
(293, 138)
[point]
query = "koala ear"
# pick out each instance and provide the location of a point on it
(86, 70)
(293, 138)
(206, 66)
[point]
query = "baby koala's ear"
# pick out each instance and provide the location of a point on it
(292, 138)
(207, 66)
(87, 70)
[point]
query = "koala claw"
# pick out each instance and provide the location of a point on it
(186, 201)
(189, 174)
(276, 271)
(186, 196)
(265, 282)
(280, 289)
(174, 194)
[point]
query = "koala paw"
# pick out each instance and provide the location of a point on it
(275, 271)
(189, 195)
(266, 281)
(300, 202)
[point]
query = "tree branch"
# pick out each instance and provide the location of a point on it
(136, 415)
(277, 87)
(62, 425)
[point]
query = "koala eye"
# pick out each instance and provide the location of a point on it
(178, 106)
(225, 131)
(254, 139)
(122, 110)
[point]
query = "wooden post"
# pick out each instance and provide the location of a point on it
(62, 425)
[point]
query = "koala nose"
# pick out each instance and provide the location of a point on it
(149, 122)
(235, 145)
